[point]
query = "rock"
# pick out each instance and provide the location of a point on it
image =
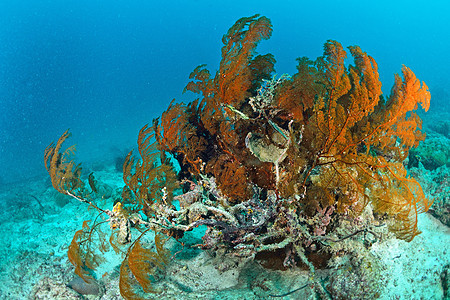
(82, 287)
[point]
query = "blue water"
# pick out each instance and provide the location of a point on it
(106, 68)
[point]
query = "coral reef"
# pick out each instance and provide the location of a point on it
(267, 164)
(442, 127)
(429, 163)
(432, 153)
(436, 183)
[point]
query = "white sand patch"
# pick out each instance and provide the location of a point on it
(413, 269)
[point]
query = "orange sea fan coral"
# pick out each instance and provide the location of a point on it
(216, 134)
(140, 265)
(235, 77)
(296, 96)
(152, 179)
(354, 140)
(180, 133)
(64, 174)
(344, 140)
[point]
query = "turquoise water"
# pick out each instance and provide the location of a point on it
(106, 68)
(110, 68)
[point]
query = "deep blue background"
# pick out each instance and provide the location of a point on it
(106, 68)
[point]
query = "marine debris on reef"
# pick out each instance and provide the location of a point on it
(308, 165)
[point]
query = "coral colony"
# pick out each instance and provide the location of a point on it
(265, 163)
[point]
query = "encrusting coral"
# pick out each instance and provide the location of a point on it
(265, 163)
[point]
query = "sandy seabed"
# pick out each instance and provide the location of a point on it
(38, 224)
